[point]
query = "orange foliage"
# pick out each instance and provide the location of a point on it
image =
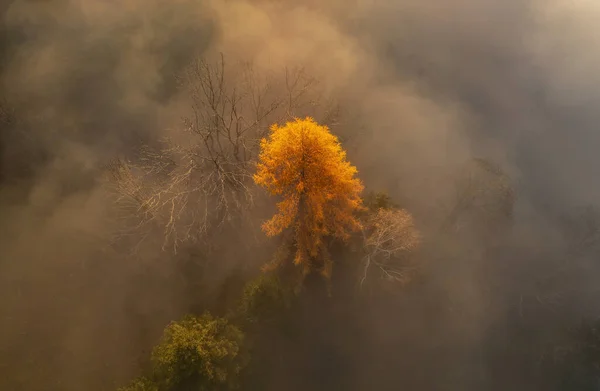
(306, 165)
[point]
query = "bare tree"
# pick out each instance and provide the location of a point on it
(201, 178)
(484, 198)
(389, 240)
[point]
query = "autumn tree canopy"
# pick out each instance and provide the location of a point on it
(305, 164)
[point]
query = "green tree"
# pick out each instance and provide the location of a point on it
(199, 353)
(264, 299)
(140, 384)
(374, 201)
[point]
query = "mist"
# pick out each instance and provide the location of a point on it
(423, 87)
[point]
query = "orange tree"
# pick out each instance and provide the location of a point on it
(304, 163)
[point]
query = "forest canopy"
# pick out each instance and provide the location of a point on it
(299, 195)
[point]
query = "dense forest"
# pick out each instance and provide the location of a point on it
(299, 195)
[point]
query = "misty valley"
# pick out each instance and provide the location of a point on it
(273, 195)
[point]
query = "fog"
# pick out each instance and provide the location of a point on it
(423, 87)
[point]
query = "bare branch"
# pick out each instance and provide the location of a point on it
(203, 180)
(484, 197)
(392, 237)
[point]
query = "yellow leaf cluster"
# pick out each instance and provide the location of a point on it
(305, 164)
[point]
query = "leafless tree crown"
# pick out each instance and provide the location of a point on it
(484, 196)
(390, 238)
(201, 177)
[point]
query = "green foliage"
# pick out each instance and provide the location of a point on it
(140, 384)
(264, 299)
(378, 200)
(200, 353)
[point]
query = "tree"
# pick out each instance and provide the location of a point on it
(484, 199)
(200, 178)
(390, 237)
(264, 299)
(374, 201)
(200, 353)
(305, 164)
(140, 384)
